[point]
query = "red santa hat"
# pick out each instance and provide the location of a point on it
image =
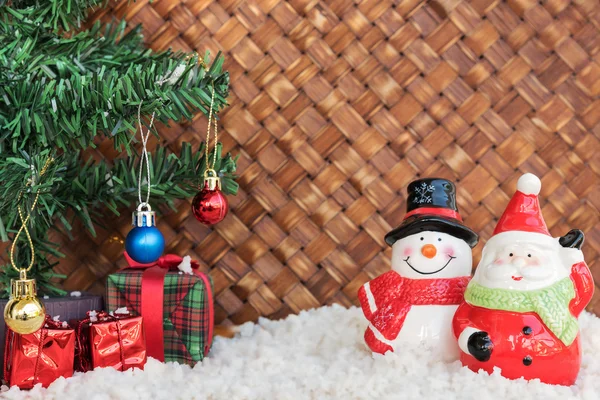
(523, 215)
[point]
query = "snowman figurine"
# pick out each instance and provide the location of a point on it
(521, 308)
(413, 304)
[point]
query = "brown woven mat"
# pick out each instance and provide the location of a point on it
(336, 105)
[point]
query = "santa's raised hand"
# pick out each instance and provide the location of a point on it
(521, 308)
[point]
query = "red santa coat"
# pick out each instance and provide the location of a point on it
(523, 345)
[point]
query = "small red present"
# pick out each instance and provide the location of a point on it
(106, 340)
(39, 357)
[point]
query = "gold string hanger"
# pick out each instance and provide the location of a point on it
(24, 312)
(24, 221)
(210, 175)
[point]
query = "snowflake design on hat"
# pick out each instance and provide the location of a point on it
(424, 191)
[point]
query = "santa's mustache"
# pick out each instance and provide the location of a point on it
(504, 271)
(500, 272)
(535, 273)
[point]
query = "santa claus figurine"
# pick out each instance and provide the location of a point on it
(521, 308)
(413, 305)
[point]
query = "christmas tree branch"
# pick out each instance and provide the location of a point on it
(50, 94)
(53, 14)
(87, 190)
(173, 177)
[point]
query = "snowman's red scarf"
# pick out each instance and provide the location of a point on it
(394, 296)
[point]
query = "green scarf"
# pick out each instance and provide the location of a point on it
(551, 304)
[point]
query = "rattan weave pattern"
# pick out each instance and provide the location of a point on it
(337, 105)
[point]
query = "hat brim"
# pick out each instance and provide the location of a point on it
(427, 222)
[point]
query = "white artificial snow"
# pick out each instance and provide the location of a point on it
(318, 354)
(186, 265)
(173, 77)
(93, 315)
(75, 294)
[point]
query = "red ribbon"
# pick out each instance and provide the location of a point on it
(168, 262)
(153, 282)
(445, 212)
(7, 348)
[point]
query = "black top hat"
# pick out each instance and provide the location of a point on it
(431, 206)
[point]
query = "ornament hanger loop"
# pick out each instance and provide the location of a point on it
(25, 219)
(144, 205)
(144, 156)
(210, 173)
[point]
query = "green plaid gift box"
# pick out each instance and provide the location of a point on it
(187, 310)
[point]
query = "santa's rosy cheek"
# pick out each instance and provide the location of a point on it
(498, 261)
(408, 251)
(450, 251)
(533, 262)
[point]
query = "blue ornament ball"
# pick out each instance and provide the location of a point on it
(145, 244)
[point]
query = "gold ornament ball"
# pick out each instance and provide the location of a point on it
(24, 313)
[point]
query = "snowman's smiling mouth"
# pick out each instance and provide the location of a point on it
(428, 273)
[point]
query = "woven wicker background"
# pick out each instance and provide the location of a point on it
(337, 105)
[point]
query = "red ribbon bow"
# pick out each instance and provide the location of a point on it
(168, 261)
(153, 281)
(51, 323)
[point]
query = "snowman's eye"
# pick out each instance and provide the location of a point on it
(439, 239)
(528, 255)
(511, 254)
(422, 238)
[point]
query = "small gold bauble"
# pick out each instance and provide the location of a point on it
(24, 313)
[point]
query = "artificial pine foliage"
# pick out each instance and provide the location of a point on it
(62, 90)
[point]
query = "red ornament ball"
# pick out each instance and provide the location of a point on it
(210, 206)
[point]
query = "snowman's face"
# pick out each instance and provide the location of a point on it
(428, 255)
(520, 266)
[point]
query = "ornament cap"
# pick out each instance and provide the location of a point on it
(212, 180)
(22, 288)
(141, 217)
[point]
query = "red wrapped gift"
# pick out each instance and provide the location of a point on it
(39, 357)
(105, 340)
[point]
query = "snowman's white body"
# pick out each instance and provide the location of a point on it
(430, 326)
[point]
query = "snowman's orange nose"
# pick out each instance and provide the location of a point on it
(429, 250)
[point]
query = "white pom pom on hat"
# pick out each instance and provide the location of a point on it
(529, 184)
